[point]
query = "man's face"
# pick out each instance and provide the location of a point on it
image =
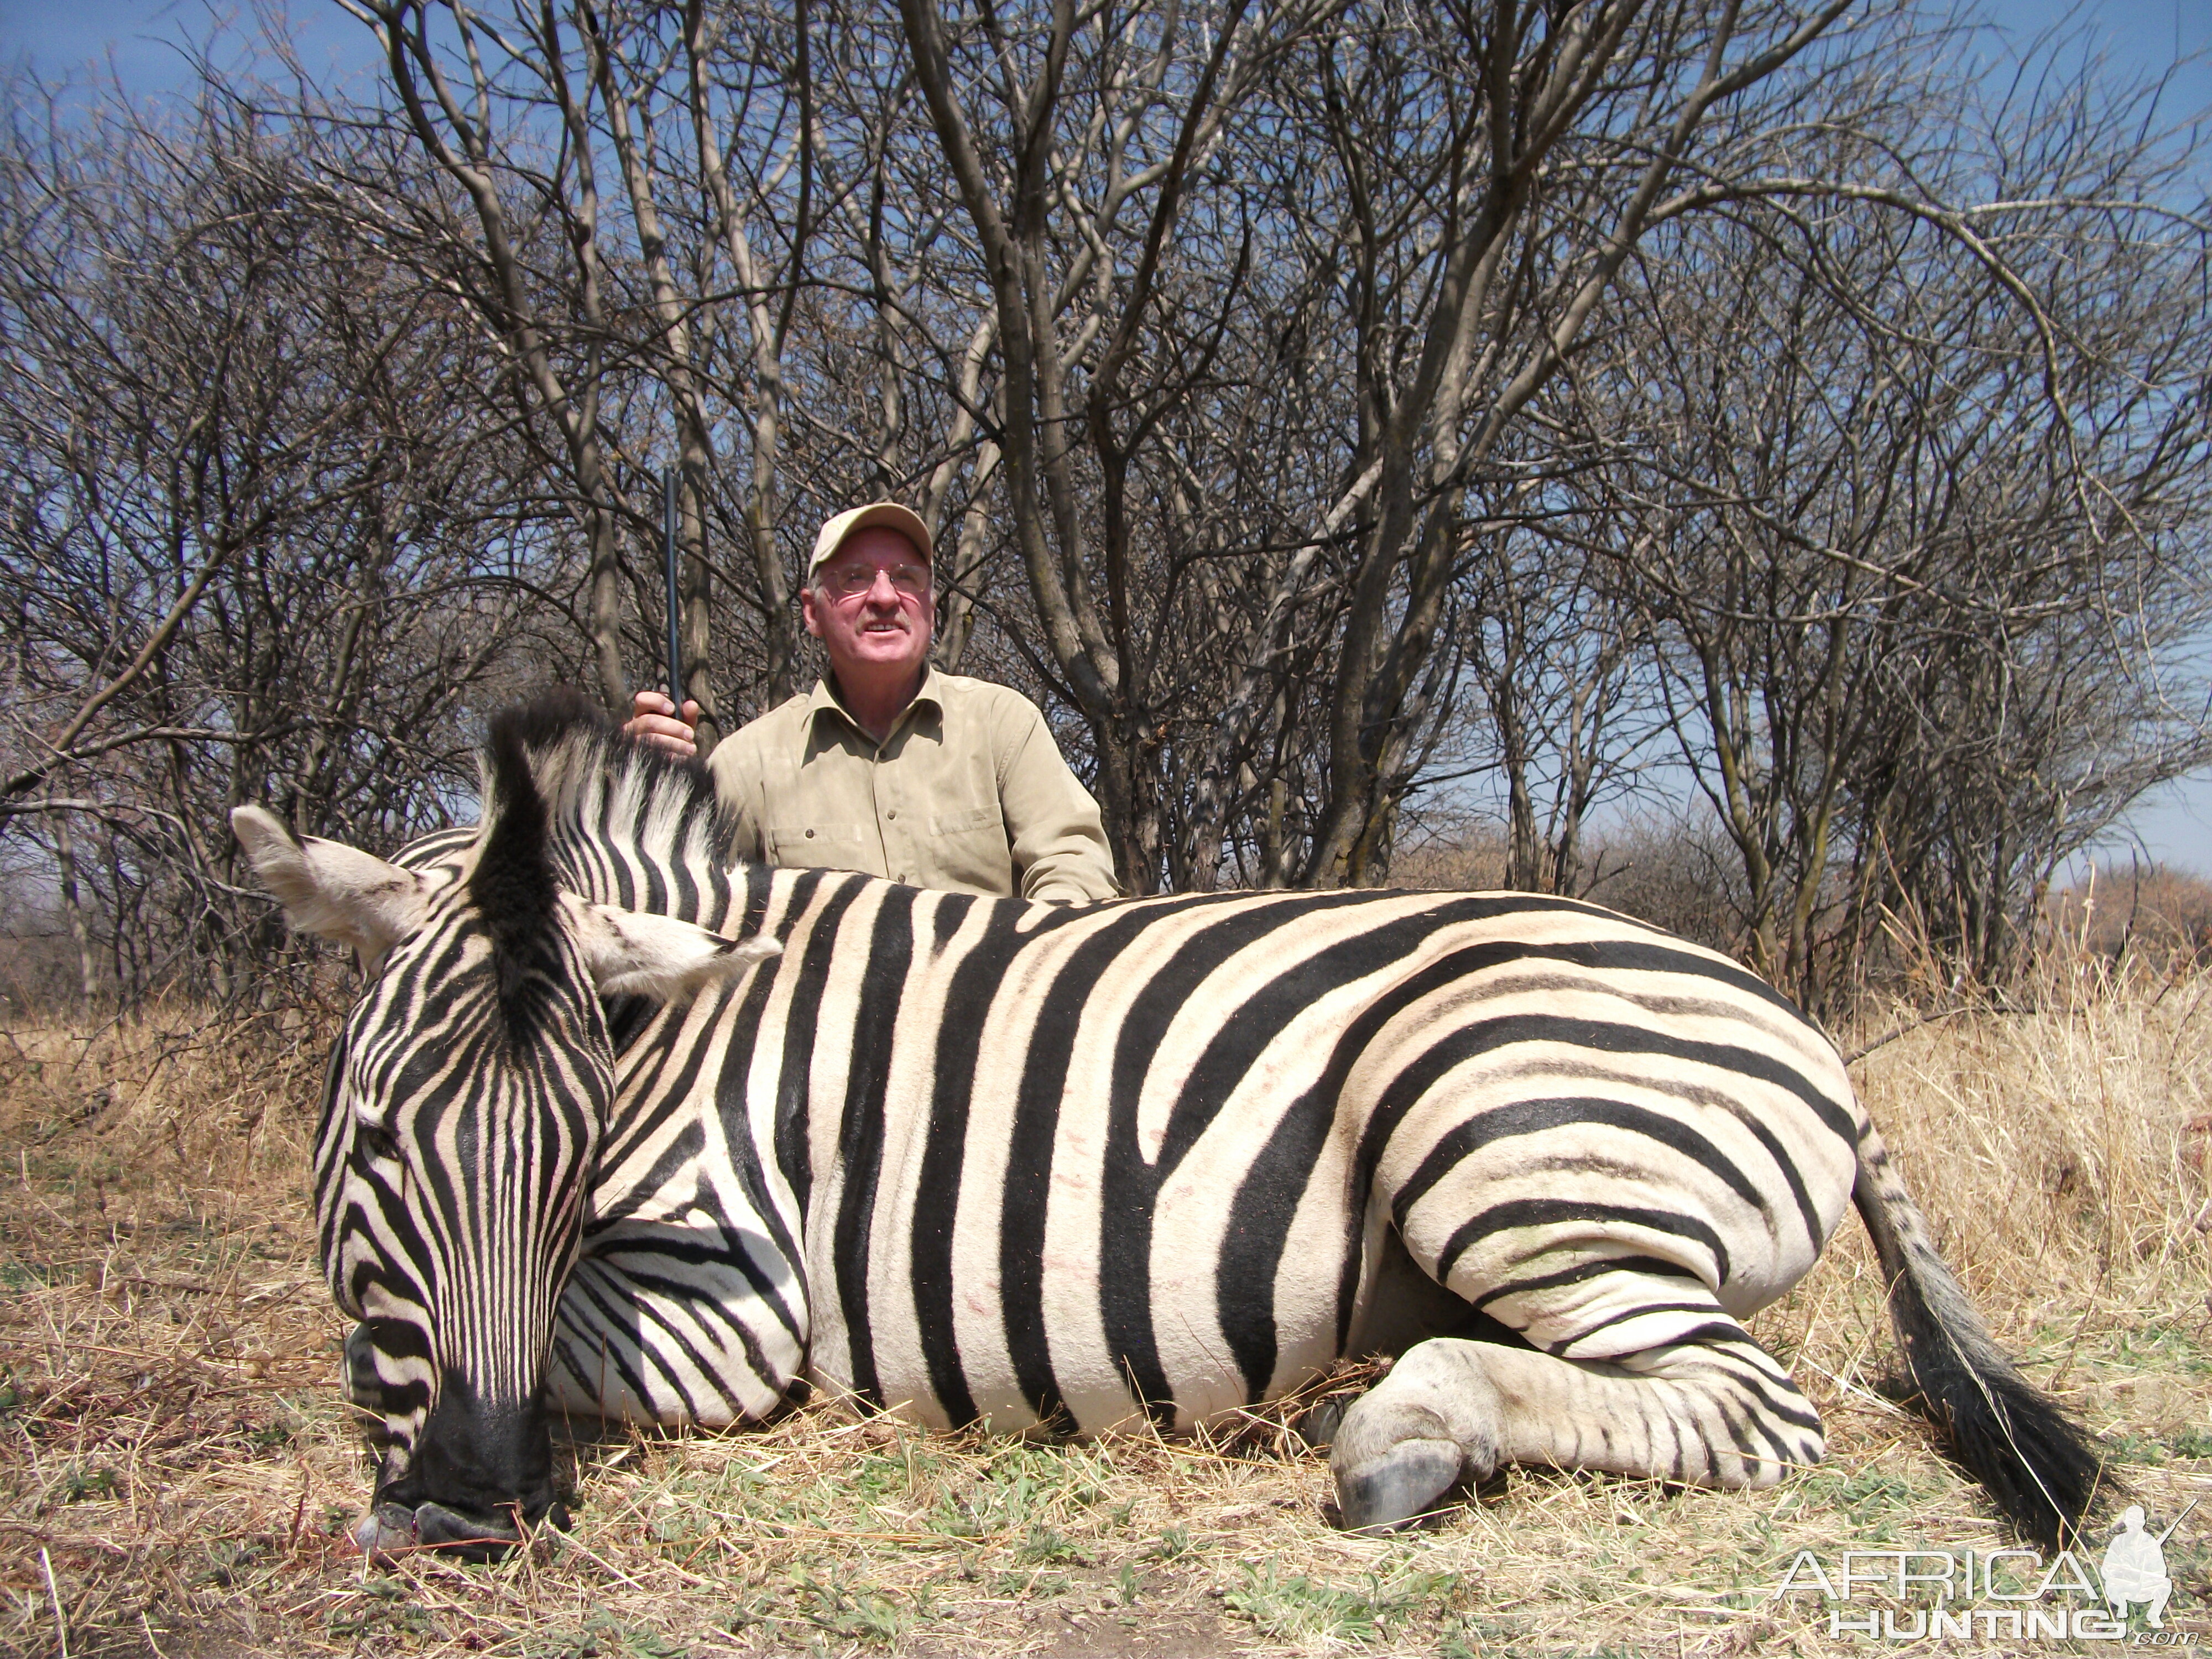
(870, 606)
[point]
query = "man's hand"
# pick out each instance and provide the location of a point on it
(654, 720)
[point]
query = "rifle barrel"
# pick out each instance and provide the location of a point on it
(671, 481)
(2178, 1520)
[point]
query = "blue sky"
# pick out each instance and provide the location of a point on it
(60, 36)
(2145, 38)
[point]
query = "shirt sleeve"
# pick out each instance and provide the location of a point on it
(1052, 822)
(1059, 841)
(739, 785)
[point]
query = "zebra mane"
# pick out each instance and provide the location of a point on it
(617, 815)
(513, 883)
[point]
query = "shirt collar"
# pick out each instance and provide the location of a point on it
(825, 699)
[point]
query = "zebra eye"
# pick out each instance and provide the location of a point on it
(375, 1141)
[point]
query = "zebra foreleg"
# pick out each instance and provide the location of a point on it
(1717, 1412)
(645, 1335)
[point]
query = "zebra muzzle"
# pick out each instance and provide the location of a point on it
(391, 1530)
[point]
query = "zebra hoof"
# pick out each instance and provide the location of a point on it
(471, 1538)
(1385, 1492)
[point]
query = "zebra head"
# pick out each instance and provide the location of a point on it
(466, 1099)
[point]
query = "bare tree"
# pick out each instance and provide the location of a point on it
(238, 501)
(1338, 415)
(1911, 488)
(554, 336)
(1556, 638)
(1482, 177)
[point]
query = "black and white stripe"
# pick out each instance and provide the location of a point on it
(1153, 1161)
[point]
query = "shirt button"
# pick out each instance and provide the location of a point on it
(892, 813)
(810, 835)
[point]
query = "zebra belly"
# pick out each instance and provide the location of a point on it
(1092, 1381)
(1218, 1290)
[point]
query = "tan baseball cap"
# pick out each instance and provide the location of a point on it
(890, 515)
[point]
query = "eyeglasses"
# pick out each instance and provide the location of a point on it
(849, 581)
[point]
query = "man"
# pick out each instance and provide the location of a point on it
(889, 766)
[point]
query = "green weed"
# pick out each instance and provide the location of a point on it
(80, 1486)
(1293, 1607)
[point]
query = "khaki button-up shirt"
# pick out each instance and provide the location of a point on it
(969, 793)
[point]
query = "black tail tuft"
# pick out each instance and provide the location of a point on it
(2039, 1465)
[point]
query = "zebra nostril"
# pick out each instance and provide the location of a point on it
(474, 1537)
(391, 1529)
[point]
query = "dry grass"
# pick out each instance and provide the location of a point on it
(178, 1470)
(2157, 912)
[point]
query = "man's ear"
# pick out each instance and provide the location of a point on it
(331, 889)
(634, 953)
(810, 596)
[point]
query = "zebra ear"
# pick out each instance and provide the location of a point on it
(331, 889)
(633, 953)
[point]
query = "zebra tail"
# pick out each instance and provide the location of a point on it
(2037, 1462)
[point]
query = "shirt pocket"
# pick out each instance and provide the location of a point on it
(823, 846)
(965, 821)
(966, 850)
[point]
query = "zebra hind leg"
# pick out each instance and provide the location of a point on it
(1713, 1409)
(1436, 1421)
